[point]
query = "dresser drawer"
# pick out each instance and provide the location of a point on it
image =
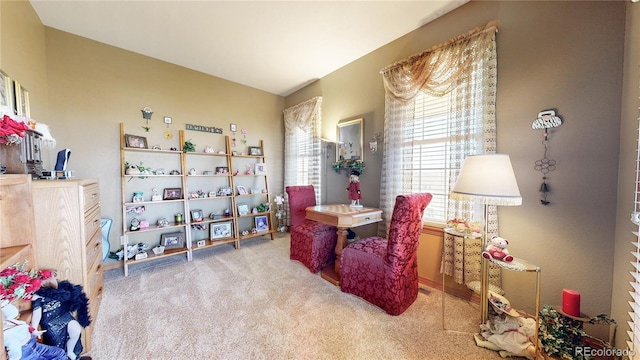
(91, 224)
(94, 250)
(91, 194)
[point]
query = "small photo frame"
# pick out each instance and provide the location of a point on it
(233, 127)
(255, 150)
(22, 100)
(262, 223)
(222, 170)
(242, 190)
(221, 230)
(243, 209)
(172, 194)
(196, 215)
(261, 168)
(134, 141)
(173, 240)
(6, 91)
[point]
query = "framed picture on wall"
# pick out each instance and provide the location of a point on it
(22, 100)
(6, 93)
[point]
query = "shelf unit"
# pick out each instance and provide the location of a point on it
(209, 173)
(256, 184)
(153, 210)
(202, 176)
(17, 233)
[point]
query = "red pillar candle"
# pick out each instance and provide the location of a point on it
(571, 302)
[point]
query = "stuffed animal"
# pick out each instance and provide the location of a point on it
(497, 249)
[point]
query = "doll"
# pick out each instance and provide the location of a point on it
(53, 306)
(20, 338)
(354, 189)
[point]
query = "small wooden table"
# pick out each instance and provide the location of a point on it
(342, 217)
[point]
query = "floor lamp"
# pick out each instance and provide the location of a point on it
(489, 180)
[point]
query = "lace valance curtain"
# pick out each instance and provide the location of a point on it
(464, 67)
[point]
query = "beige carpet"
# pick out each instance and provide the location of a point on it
(255, 303)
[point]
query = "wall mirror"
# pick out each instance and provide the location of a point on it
(349, 145)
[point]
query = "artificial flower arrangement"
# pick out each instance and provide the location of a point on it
(465, 226)
(18, 283)
(12, 131)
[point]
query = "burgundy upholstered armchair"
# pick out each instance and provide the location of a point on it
(312, 243)
(382, 271)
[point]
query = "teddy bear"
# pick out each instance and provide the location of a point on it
(497, 249)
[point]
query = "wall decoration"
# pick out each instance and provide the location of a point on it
(209, 129)
(6, 93)
(146, 114)
(168, 134)
(546, 119)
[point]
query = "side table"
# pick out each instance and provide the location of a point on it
(462, 260)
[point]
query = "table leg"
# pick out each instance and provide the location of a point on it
(331, 273)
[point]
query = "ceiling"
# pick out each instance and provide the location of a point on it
(274, 46)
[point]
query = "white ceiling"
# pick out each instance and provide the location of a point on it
(275, 46)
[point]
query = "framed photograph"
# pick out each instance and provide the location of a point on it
(196, 215)
(243, 209)
(233, 127)
(222, 170)
(221, 230)
(262, 223)
(167, 120)
(242, 190)
(134, 141)
(22, 100)
(172, 194)
(6, 92)
(173, 240)
(261, 168)
(255, 151)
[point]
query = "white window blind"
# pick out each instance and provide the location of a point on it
(304, 155)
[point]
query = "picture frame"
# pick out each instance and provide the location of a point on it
(242, 190)
(221, 230)
(174, 240)
(243, 209)
(6, 92)
(134, 141)
(260, 169)
(222, 170)
(21, 100)
(233, 127)
(196, 215)
(255, 151)
(262, 223)
(172, 194)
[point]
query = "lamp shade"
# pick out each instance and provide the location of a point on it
(488, 179)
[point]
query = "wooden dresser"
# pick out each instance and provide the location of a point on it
(68, 236)
(17, 232)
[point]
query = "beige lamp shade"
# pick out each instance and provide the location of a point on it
(487, 179)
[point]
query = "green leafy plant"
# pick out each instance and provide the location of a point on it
(348, 165)
(189, 146)
(559, 335)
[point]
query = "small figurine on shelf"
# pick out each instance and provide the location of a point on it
(156, 195)
(249, 170)
(354, 189)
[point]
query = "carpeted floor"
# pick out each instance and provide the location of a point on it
(255, 303)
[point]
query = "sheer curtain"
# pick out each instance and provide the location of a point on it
(302, 147)
(464, 67)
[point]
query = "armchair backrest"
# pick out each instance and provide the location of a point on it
(300, 197)
(405, 227)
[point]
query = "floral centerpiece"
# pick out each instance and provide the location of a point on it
(465, 227)
(18, 283)
(348, 165)
(11, 131)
